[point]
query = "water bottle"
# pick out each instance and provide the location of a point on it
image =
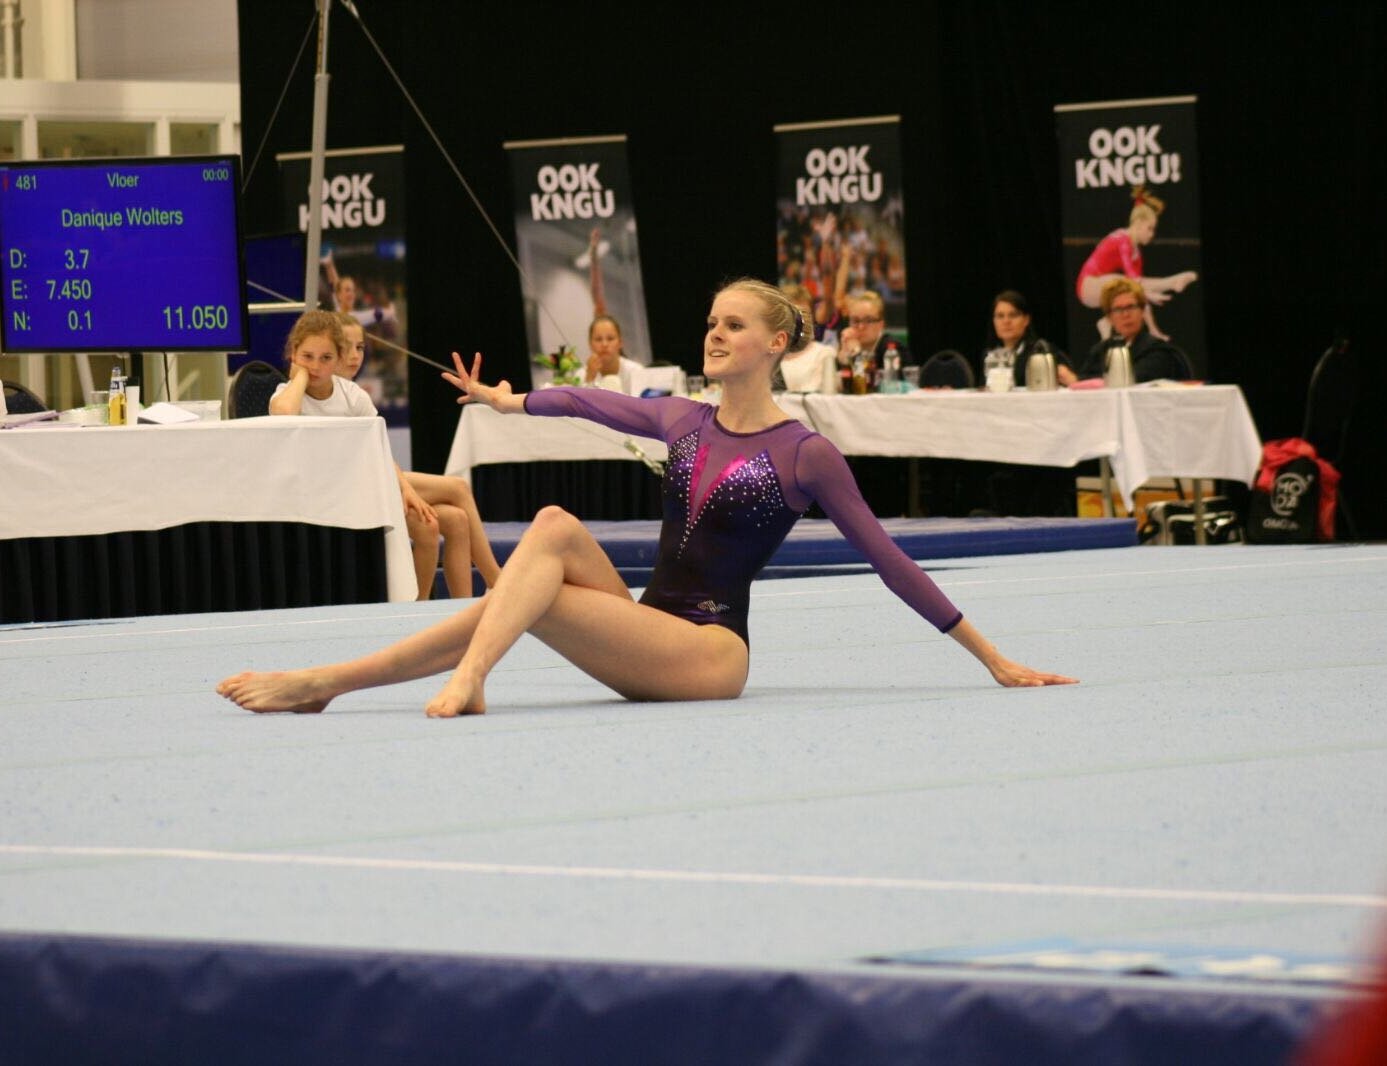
(116, 396)
(859, 374)
(890, 368)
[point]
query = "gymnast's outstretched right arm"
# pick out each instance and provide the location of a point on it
(627, 414)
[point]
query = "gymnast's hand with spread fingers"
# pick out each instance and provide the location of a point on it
(1004, 671)
(469, 382)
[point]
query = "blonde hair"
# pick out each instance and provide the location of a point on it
(314, 324)
(872, 297)
(1146, 206)
(1141, 213)
(1115, 288)
(778, 311)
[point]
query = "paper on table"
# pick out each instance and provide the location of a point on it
(167, 414)
(27, 418)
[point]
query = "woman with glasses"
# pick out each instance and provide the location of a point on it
(866, 330)
(1124, 303)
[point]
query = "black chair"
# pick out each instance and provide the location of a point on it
(251, 388)
(1329, 406)
(22, 401)
(947, 369)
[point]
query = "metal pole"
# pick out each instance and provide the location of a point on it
(315, 166)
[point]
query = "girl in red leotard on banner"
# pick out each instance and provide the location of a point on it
(1119, 255)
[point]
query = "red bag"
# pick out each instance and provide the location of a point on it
(1277, 453)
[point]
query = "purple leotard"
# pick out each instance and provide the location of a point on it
(731, 498)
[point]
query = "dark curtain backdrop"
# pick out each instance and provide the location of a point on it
(1291, 127)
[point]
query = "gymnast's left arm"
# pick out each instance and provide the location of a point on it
(823, 474)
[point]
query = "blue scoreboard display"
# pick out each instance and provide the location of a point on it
(122, 255)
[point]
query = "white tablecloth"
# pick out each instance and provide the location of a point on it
(1204, 432)
(60, 481)
(1042, 428)
(483, 437)
(1146, 432)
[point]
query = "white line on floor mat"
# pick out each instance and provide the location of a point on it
(1311, 899)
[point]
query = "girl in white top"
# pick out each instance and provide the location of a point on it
(607, 366)
(815, 367)
(314, 352)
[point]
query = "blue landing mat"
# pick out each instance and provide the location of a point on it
(817, 542)
(81, 999)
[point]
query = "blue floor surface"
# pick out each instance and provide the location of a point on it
(1207, 803)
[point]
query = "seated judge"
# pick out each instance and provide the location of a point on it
(1012, 331)
(866, 332)
(607, 366)
(1124, 303)
(1017, 488)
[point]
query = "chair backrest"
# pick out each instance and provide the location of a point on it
(251, 389)
(947, 369)
(1329, 401)
(20, 400)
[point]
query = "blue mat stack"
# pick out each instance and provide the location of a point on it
(816, 547)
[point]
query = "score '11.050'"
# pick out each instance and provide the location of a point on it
(199, 316)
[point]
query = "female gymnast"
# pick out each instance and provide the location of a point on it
(738, 478)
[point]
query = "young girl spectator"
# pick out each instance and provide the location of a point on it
(814, 368)
(317, 352)
(313, 353)
(607, 365)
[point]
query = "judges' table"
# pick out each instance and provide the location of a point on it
(518, 462)
(1144, 432)
(258, 512)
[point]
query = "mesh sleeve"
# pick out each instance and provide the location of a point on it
(642, 417)
(824, 475)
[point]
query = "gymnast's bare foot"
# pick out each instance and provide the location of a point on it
(1183, 279)
(299, 691)
(461, 695)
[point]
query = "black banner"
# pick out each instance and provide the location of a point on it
(575, 234)
(840, 214)
(1130, 204)
(363, 257)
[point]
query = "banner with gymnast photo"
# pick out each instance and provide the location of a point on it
(362, 264)
(840, 214)
(575, 235)
(1129, 187)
